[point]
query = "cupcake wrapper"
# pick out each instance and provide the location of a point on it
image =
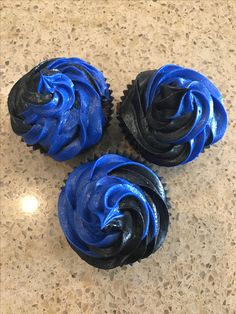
(108, 108)
(128, 136)
(205, 149)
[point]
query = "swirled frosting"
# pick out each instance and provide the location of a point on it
(171, 114)
(60, 107)
(113, 211)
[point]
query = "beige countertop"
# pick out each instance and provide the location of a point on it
(195, 270)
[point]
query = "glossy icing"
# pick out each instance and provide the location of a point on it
(113, 211)
(172, 113)
(59, 107)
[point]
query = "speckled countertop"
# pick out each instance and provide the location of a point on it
(194, 272)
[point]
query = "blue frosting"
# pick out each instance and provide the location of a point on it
(93, 219)
(201, 98)
(73, 119)
(171, 114)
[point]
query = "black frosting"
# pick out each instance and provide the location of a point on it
(171, 114)
(53, 93)
(23, 93)
(147, 129)
(118, 175)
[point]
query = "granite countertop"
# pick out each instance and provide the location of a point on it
(195, 270)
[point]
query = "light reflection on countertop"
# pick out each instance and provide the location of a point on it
(29, 204)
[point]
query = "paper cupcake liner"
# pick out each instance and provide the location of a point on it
(127, 135)
(205, 149)
(108, 109)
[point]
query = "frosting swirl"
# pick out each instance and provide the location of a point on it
(113, 211)
(60, 107)
(171, 114)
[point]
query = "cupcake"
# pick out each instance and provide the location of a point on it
(60, 107)
(113, 211)
(170, 115)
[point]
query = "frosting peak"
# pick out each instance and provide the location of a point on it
(113, 211)
(59, 106)
(172, 113)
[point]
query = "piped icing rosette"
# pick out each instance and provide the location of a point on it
(61, 106)
(113, 211)
(171, 114)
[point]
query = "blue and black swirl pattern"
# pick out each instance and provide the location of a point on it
(61, 106)
(113, 211)
(170, 115)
